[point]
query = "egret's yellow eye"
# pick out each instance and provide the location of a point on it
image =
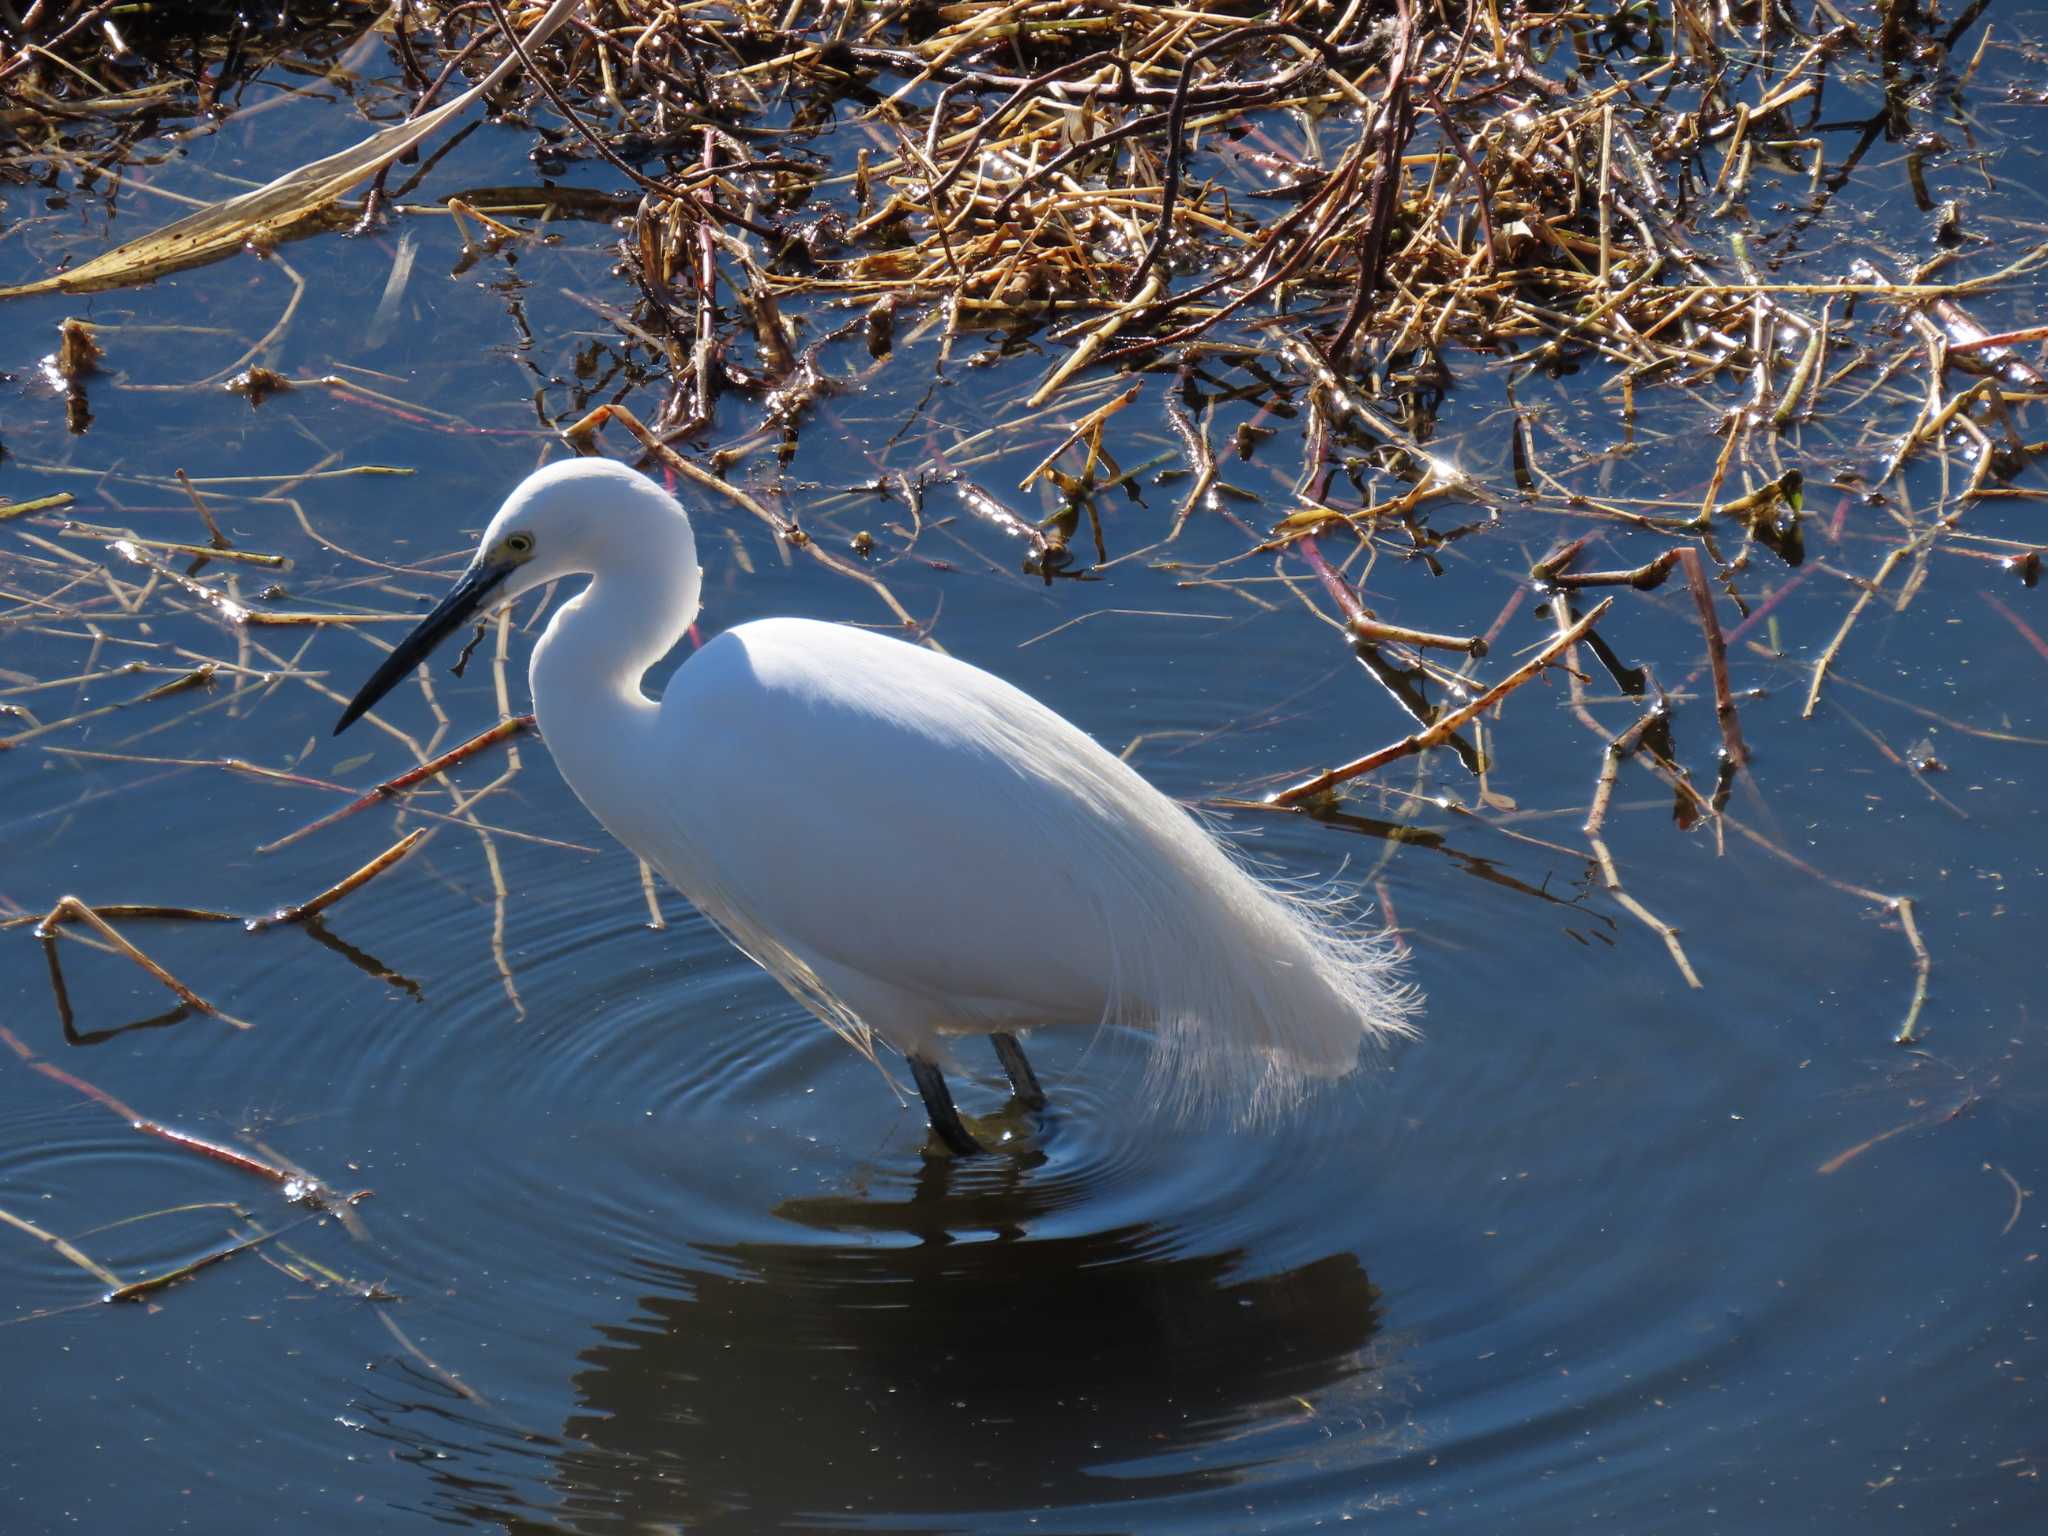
(518, 544)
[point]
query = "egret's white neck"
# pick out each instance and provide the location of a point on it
(595, 717)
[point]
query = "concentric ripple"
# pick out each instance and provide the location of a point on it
(669, 1253)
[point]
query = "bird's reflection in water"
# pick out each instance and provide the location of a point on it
(938, 1356)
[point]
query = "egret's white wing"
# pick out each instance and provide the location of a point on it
(940, 851)
(899, 814)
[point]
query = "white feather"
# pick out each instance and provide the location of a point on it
(912, 846)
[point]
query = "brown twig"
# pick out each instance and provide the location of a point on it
(504, 730)
(12, 509)
(1717, 657)
(218, 539)
(1445, 725)
(307, 910)
(312, 1189)
(70, 909)
(63, 1249)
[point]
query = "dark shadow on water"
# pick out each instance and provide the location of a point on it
(946, 1379)
(73, 1035)
(314, 928)
(930, 1359)
(317, 930)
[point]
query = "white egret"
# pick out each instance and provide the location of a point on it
(914, 848)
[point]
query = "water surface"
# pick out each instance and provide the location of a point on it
(661, 1254)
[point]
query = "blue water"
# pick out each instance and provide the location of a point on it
(1600, 1249)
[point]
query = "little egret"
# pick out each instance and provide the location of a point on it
(914, 848)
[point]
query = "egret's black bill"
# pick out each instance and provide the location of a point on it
(463, 600)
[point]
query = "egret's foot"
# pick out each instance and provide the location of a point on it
(938, 1104)
(1023, 1081)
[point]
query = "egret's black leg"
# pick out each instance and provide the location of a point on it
(938, 1104)
(1023, 1081)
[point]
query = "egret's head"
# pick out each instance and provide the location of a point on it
(577, 517)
